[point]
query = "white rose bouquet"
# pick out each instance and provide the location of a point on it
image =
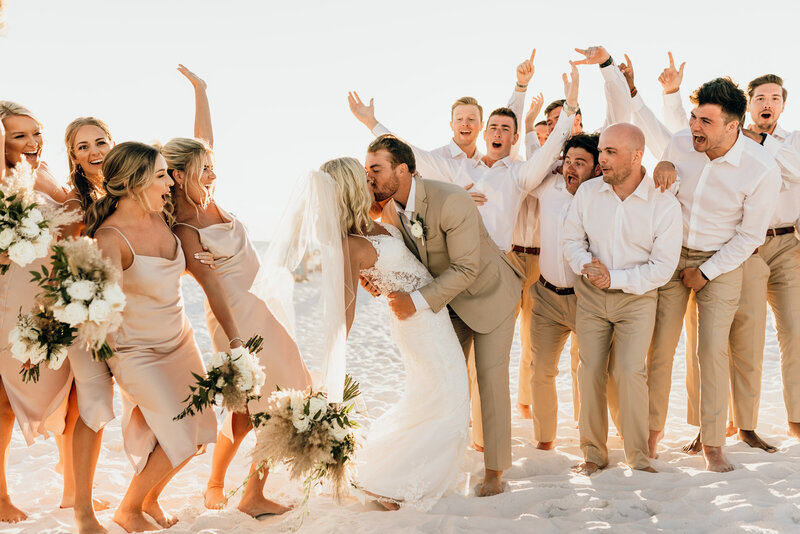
(39, 338)
(27, 226)
(315, 439)
(236, 375)
(82, 291)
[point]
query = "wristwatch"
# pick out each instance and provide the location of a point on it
(607, 62)
(570, 109)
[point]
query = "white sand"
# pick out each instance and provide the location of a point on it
(543, 496)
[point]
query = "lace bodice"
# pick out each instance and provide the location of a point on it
(396, 268)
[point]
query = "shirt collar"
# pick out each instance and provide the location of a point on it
(642, 190)
(780, 133)
(734, 155)
(412, 196)
(457, 153)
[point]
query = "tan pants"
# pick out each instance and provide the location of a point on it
(717, 303)
(492, 354)
(627, 320)
(746, 350)
(528, 264)
(552, 322)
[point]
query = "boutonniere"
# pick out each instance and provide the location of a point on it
(418, 228)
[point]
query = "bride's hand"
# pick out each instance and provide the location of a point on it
(367, 284)
(196, 81)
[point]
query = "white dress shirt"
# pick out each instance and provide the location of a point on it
(554, 201)
(638, 239)
(505, 183)
(727, 202)
(408, 212)
(785, 148)
(452, 150)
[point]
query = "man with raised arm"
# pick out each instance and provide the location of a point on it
(728, 186)
(624, 238)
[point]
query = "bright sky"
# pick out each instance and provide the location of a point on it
(279, 72)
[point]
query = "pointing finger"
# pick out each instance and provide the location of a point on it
(671, 60)
(533, 54)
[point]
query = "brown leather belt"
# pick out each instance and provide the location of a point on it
(525, 250)
(774, 232)
(555, 289)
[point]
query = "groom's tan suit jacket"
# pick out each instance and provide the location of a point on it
(470, 273)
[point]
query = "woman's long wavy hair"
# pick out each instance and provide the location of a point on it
(354, 196)
(86, 190)
(188, 156)
(128, 169)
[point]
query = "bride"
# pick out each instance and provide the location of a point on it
(413, 451)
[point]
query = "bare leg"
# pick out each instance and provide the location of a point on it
(390, 504)
(715, 460)
(8, 512)
(545, 445)
(85, 452)
(224, 451)
(693, 447)
(492, 483)
(586, 468)
(151, 506)
(130, 514)
(65, 449)
(253, 502)
(794, 430)
(653, 441)
(751, 438)
(524, 411)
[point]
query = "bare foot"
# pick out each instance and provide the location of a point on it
(751, 438)
(477, 447)
(10, 513)
(794, 430)
(731, 430)
(524, 411)
(260, 506)
(586, 468)
(387, 502)
(134, 521)
(214, 497)
(87, 523)
(492, 484)
(653, 441)
(694, 446)
(154, 510)
(545, 445)
(648, 470)
(715, 460)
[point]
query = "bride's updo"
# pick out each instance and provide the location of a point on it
(355, 198)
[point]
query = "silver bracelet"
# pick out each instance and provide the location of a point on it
(236, 339)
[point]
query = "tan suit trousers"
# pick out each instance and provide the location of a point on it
(528, 264)
(492, 354)
(627, 320)
(745, 346)
(717, 303)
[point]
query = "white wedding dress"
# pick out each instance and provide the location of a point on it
(413, 452)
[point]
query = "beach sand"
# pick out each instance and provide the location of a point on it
(542, 495)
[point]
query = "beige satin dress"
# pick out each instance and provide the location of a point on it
(94, 383)
(39, 407)
(237, 264)
(155, 356)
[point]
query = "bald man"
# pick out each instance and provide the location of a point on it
(623, 237)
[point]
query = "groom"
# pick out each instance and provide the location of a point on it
(442, 227)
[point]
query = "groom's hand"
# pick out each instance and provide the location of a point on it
(402, 305)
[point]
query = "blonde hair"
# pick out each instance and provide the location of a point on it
(128, 169)
(354, 197)
(87, 191)
(10, 109)
(188, 156)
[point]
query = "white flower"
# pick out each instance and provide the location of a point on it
(7, 237)
(34, 217)
(217, 360)
(57, 358)
(99, 310)
(42, 246)
(81, 290)
(337, 432)
(220, 382)
(417, 230)
(300, 423)
(113, 294)
(19, 350)
(22, 253)
(28, 229)
(317, 407)
(37, 353)
(75, 313)
(244, 381)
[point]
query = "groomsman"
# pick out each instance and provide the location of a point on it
(624, 237)
(553, 294)
(728, 187)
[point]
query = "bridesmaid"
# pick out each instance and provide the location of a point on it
(202, 223)
(44, 406)
(155, 351)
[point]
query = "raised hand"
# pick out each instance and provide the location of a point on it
(364, 113)
(671, 78)
(627, 71)
(594, 55)
(533, 112)
(196, 81)
(571, 85)
(525, 71)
